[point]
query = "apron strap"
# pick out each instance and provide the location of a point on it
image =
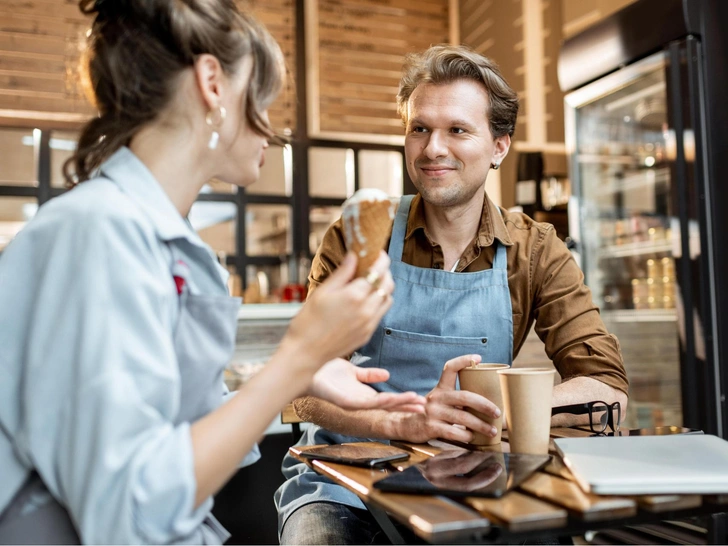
(501, 260)
(399, 230)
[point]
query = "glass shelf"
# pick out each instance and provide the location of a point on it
(634, 181)
(641, 315)
(635, 249)
(599, 159)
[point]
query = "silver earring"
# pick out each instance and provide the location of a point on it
(214, 119)
(495, 166)
(214, 139)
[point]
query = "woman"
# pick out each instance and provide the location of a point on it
(116, 324)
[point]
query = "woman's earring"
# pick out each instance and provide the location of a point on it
(495, 166)
(214, 119)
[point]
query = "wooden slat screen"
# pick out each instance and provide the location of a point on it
(494, 28)
(39, 51)
(360, 48)
(554, 97)
(279, 17)
(40, 47)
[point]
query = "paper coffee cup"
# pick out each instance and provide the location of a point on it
(527, 398)
(483, 379)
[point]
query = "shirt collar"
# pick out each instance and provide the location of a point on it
(128, 172)
(492, 226)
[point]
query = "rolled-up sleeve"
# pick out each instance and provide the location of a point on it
(567, 321)
(329, 255)
(102, 382)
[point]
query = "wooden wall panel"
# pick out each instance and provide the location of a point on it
(356, 49)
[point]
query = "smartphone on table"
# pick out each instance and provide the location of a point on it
(358, 454)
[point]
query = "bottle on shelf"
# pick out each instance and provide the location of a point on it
(656, 233)
(638, 228)
(657, 290)
(654, 268)
(607, 232)
(640, 294)
(668, 297)
(654, 293)
(621, 236)
(668, 267)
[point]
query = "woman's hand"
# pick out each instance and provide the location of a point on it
(342, 383)
(342, 314)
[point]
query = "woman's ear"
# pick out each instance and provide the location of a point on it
(209, 76)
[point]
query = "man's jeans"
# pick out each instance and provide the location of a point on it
(329, 523)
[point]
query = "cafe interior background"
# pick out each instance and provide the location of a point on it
(598, 166)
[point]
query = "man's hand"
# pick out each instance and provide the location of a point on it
(445, 416)
(343, 384)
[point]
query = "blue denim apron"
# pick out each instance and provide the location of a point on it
(437, 315)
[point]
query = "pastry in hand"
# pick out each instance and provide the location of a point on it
(367, 218)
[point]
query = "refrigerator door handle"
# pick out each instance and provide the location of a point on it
(575, 229)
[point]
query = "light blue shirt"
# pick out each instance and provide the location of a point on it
(89, 379)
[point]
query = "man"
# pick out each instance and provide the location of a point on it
(470, 278)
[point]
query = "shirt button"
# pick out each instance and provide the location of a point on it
(388, 332)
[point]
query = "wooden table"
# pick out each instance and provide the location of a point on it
(549, 503)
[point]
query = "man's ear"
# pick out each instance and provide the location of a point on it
(209, 77)
(500, 150)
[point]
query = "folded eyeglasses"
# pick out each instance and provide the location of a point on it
(601, 414)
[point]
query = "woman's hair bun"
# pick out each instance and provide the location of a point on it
(106, 9)
(137, 49)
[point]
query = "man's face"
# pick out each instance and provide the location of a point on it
(448, 143)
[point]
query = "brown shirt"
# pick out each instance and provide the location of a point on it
(545, 283)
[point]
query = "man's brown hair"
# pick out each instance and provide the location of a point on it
(442, 64)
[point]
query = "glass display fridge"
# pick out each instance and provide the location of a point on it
(645, 163)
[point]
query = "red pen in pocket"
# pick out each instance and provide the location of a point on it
(179, 274)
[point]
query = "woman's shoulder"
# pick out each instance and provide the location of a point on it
(94, 200)
(97, 209)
